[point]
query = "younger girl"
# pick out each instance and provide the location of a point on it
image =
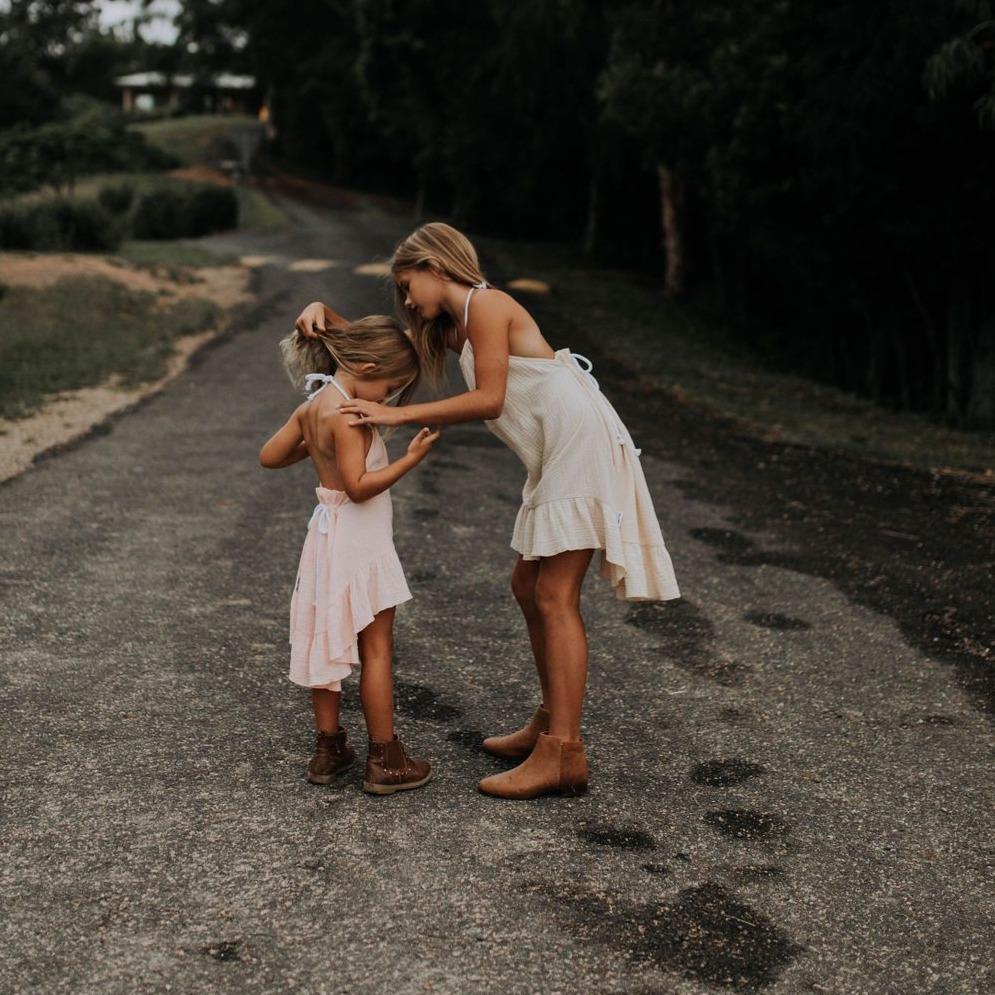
(584, 487)
(350, 579)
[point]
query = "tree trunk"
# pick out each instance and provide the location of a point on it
(958, 349)
(902, 366)
(672, 217)
(593, 213)
(420, 197)
(981, 402)
(936, 378)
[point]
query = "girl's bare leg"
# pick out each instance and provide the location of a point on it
(523, 586)
(326, 709)
(376, 681)
(557, 599)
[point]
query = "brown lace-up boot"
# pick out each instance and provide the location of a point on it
(518, 745)
(390, 769)
(331, 757)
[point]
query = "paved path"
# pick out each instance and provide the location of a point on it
(789, 793)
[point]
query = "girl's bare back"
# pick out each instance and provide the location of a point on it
(318, 417)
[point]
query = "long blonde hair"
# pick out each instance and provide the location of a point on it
(377, 339)
(440, 245)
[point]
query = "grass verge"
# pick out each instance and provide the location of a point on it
(171, 254)
(192, 139)
(82, 330)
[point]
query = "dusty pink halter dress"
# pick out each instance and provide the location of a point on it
(349, 571)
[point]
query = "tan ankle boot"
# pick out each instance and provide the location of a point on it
(554, 765)
(519, 744)
(331, 756)
(390, 769)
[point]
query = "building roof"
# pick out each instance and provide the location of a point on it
(222, 81)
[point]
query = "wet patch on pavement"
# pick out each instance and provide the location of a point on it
(621, 838)
(909, 721)
(225, 950)
(471, 739)
(775, 620)
(727, 541)
(754, 873)
(416, 701)
(690, 639)
(706, 935)
(723, 773)
(743, 824)
(660, 870)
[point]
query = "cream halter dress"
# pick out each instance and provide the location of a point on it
(585, 487)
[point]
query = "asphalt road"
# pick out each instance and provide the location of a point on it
(791, 790)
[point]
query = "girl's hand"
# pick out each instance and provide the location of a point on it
(423, 442)
(311, 320)
(362, 412)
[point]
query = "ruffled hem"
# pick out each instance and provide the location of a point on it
(324, 638)
(636, 571)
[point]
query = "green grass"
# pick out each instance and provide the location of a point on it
(171, 254)
(696, 360)
(191, 139)
(82, 330)
(257, 211)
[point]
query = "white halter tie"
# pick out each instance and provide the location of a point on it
(324, 379)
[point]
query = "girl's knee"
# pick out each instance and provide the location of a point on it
(523, 586)
(523, 590)
(555, 599)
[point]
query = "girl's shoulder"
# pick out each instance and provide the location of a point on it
(492, 303)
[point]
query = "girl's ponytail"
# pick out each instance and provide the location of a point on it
(303, 355)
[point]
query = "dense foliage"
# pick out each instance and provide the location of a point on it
(819, 171)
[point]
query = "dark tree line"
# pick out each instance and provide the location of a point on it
(821, 171)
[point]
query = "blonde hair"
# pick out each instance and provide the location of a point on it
(440, 245)
(377, 339)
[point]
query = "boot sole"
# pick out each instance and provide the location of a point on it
(389, 789)
(328, 778)
(567, 791)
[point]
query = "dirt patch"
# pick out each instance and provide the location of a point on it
(225, 285)
(67, 415)
(202, 174)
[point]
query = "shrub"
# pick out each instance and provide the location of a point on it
(86, 226)
(183, 212)
(17, 227)
(117, 198)
(66, 225)
(159, 213)
(210, 209)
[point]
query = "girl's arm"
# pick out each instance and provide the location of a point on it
(490, 351)
(316, 316)
(286, 447)
(350, 457)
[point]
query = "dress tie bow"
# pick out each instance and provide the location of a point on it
(322, 518)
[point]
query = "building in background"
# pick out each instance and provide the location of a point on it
(224, 93)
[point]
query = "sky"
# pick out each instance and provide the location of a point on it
(158, 29)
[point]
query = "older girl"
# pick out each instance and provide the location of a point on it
(584, 490)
